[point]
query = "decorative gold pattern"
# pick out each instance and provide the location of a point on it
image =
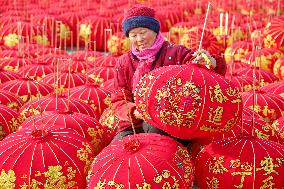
(84, 155)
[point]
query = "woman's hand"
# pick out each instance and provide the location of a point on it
(137, 114)
(204, 58)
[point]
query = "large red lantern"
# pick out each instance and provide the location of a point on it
(240, 162)
(86, 126)
(268, 106)
(40, 158)
(27, 88)
(143, 161)
(176, 100)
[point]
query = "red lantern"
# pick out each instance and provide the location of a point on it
(278, 68)
(78, 66)
(238, 51)
(53, 103)
(263, 77)
(86, 55)
(179, 29)
(10, 121)
(108, 85)
(8, 76)
(13, 64)
(268, 106)
(278, 125)
(85, 125)
(168, 16)
(118, 44)
(176, 100)
(40, 158)
(65, 81)
(96, 28)
(191, 39)
(10, 100)
(241, 162)
(98, 98)
(264, 58)
(36, 71)
(106, 61)
(143, 161)
(20, 87)
(274, 88)
(101, 74)
(244, 83)
(235, 66)
(274, 35)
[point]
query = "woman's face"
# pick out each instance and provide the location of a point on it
(142, 38)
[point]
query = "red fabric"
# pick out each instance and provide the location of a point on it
(170, 54)
(139, 10)
(143, 161)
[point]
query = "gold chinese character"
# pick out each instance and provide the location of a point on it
(268, 166)
(217, 166)
(218, 94)
(216, 115)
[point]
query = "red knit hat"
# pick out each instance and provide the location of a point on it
(140, 16)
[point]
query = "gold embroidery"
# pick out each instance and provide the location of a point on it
(216, 165)
(215, 116)
(247, 171)
(217, 94)
(84, 154)
(7, 179)
(213, 183)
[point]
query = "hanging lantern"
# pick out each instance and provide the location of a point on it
(176, 100)
(78, 66)
(39, 158)
(240, 162)
(142, 161)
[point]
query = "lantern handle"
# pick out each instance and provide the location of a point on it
(204, 26)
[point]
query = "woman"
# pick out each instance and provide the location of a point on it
(149, 51)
